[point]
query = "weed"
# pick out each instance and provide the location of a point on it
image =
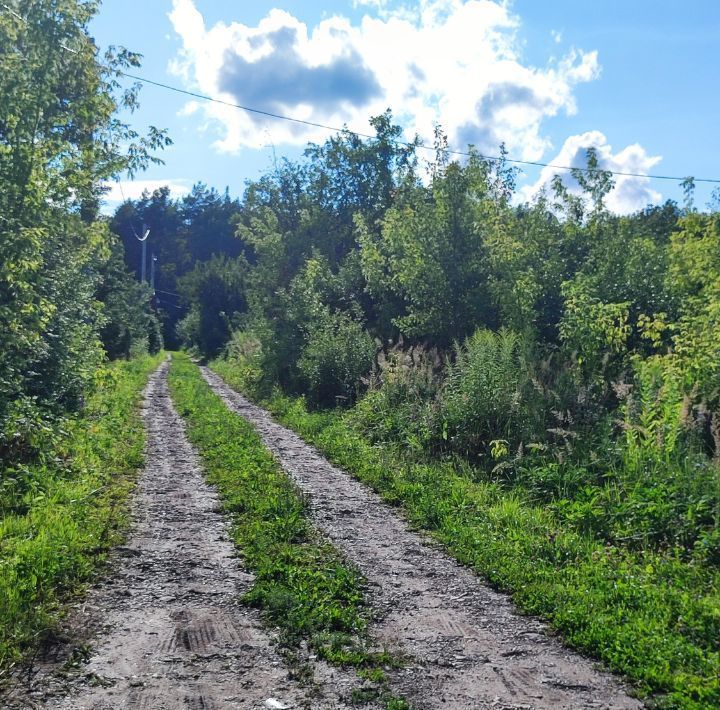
(79, 657)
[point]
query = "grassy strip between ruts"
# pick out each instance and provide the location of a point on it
(58, 518)
(302, 585)
(654, 618)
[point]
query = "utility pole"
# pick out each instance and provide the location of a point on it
(153, 259)
(143, 240)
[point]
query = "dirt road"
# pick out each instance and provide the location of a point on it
(172, 633)
(470, 648)
(167, 631)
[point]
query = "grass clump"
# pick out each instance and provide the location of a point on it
(650, 613)
(302, 584)
(60, 513)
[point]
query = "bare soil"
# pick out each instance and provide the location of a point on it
(166, 629)
(468, 647)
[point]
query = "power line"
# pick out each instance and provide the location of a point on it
(12, 12)
(168, 304)
(314, 124)
(335, 129)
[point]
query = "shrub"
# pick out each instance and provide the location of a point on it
(488, 394)
(244, 354)
(188, 328)
(400, 405)
(338, 353)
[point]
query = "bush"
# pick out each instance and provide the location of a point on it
(188, 327)
(337, 355)
(244, 354)
(669, 490)
(400, 405)
(488, 394)
(154, 335)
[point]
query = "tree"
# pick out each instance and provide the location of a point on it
(209, 222)
(694, 276)
(430, 254)
(59, 139)
(215, 292)
(128, 326)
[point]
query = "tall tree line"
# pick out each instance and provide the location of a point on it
(361, 254)
(66, 299)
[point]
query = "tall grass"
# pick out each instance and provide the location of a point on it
(487, 394)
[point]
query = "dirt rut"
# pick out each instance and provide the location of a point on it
(469, 648)
(173, 634)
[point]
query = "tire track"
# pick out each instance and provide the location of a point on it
(471, 649)
(173, 633)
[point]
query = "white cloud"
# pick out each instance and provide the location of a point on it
(377, 4)
(133, 189)
(456, 62)
(629, 193)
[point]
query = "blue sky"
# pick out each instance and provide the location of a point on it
(637, 79)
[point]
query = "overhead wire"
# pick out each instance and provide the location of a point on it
(163, 302)
(359, 134)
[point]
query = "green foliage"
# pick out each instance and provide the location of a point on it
(401, 407)
(299, 222)
(183, 233)
(350, 177)
(61, 513)
(577, 364)
(337, 355)
(216, 290)
(529, 256)
(488, 393)
(58, 142)
(429, 256)
(695, 276)
(664, 490)
(591, 328)
(628, 262)
(128, 327)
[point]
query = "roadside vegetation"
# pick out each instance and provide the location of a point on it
(70, 434)
(61, 512)
(647, 613)
(302, 586)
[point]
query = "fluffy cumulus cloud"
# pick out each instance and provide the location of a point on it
(629, 193)
(458, 63)
(453, 62)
